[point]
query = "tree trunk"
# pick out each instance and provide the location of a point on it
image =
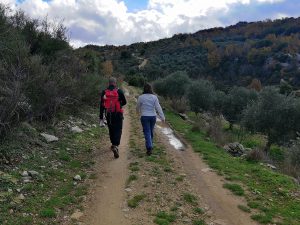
(230, 126)
(268, 146)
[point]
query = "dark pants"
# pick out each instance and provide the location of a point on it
(115, 125)
(148, 123)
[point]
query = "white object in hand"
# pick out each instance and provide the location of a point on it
(102, 124)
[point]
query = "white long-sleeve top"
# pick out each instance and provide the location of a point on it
(148, 104)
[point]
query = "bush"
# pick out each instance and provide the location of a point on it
(200, 95)
(275, 115)
(173, 86)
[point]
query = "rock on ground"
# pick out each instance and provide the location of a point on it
(49, 138)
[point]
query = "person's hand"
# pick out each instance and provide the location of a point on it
(102, 124)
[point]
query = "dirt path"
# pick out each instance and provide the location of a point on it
(108, 198)
(163, 180)
(221, 204)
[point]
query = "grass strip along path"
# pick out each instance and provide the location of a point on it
(272, 198)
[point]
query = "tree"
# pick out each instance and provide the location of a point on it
(173, 86)
(200, 95)
(275, 115)
(235, 102)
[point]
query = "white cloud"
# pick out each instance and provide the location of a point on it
(109, 22)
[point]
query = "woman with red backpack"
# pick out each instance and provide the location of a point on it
(111, 103)
(147, 105)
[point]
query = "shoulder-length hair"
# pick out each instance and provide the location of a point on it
(148, 89)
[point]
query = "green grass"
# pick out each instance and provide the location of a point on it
(198, 210)
(48, 212)
(134, 202)
(190, 198)
(199, 222)
(163, 218)
(262, 184)
(54, 190)
(235, 189)
(244, 208)
(131, 178)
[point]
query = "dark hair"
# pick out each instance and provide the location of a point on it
(148, 89)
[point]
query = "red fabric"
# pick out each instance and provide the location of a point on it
(111, 101)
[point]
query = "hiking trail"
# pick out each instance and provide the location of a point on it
(172, 185)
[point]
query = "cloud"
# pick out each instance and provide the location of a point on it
(110, 21)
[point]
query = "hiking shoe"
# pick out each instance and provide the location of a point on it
(149, 152)
(115, 151)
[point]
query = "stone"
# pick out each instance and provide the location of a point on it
(76, 129)
(21, 197)
(25, 174)
(33, 173)
(77, 178)
(49, 138)
(183, 116)
(76, 215)
(271, 166)
(128, 190)
(235, 149)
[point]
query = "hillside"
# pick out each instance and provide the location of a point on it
(267, 50)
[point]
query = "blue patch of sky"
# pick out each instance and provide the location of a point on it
(136, 5)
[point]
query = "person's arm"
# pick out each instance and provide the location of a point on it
(101, 106)
(159, 110)
(122, 98)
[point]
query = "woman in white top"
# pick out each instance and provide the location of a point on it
(147, 105)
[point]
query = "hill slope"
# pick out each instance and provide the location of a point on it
(267, 50)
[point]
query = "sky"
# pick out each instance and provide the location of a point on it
(119, 22)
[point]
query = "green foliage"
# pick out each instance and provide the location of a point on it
(199, 222)
(235, 189)
(173, 86)
(163, 218)
(190, 198)
(134, 202)
(200, 95)
(275, 115)
(236, 101)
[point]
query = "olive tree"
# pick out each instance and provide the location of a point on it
(200, 95)
(235, 102)
(274, 115)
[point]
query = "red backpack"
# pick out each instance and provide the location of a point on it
(111, 101)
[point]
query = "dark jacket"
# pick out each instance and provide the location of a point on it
(122, 100)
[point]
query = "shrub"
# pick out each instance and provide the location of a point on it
(200, 95)
(275, 115)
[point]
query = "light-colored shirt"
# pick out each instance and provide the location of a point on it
(148, 104)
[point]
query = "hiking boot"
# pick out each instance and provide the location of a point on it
(149, 152)
(115, 151)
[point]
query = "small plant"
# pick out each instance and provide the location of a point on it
(199, 222)
(134, 202)
(179, 178)
(244, 208)
(131, 178)
(235, 189)
(134, 166)
(192, 199)
(163, 218)
(261, 218)
(198, 210)
(48, 213)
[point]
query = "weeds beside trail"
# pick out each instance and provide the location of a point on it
(54, 193)
(157, 189)
(272, 198)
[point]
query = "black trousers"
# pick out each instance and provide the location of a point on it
(115, 125)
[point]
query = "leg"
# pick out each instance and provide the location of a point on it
(147, 132)
(110, 129)
(118, 126)
(152, 125)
